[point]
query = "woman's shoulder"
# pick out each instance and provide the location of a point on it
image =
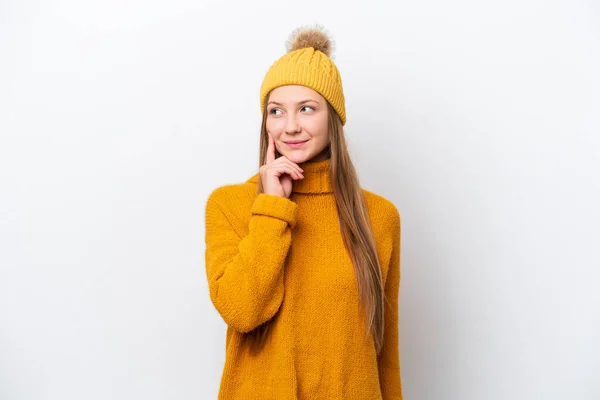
(379, 201)
(234, 194)
(232, 201)
(382, 210)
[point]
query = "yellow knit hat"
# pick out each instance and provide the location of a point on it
(307, 63)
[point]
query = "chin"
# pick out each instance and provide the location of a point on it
(296, 158)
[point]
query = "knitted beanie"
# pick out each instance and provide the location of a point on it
(307, 63)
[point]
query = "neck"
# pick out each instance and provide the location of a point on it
(316, 178)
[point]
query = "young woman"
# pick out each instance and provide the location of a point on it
(302, 263)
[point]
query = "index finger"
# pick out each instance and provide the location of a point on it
(270, 150)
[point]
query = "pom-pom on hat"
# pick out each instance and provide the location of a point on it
(307, 63)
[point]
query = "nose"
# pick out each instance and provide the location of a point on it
(291, 125)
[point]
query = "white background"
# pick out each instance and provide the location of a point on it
(480, 120)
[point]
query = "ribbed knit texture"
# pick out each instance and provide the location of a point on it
(307, 67)
(284, 260)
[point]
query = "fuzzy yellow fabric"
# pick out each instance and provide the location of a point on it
(269, 258)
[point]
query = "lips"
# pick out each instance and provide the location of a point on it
(296, 144)
(296, 141)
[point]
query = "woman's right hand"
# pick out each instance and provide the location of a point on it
(277, 173)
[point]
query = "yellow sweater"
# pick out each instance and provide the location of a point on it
(269, 257)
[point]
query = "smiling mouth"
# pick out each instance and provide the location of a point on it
(296, 144)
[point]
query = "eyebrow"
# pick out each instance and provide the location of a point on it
(298, 103)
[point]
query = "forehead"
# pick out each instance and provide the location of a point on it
(293, 93)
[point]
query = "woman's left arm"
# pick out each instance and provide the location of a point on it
(389, 359)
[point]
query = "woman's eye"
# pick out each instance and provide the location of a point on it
(273, 110)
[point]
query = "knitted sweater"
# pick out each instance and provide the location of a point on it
(279, 259)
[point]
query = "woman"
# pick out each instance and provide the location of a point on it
(302, 263)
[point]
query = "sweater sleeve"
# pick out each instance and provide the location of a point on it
(389, 358)
(245, 274)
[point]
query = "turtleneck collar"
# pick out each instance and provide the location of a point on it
(316, 178)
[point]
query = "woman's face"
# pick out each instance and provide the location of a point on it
(298, 113)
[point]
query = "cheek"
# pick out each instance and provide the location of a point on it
(274, 127)
(320, 129)
(320, 125)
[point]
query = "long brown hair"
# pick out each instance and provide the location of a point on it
(354, 224)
